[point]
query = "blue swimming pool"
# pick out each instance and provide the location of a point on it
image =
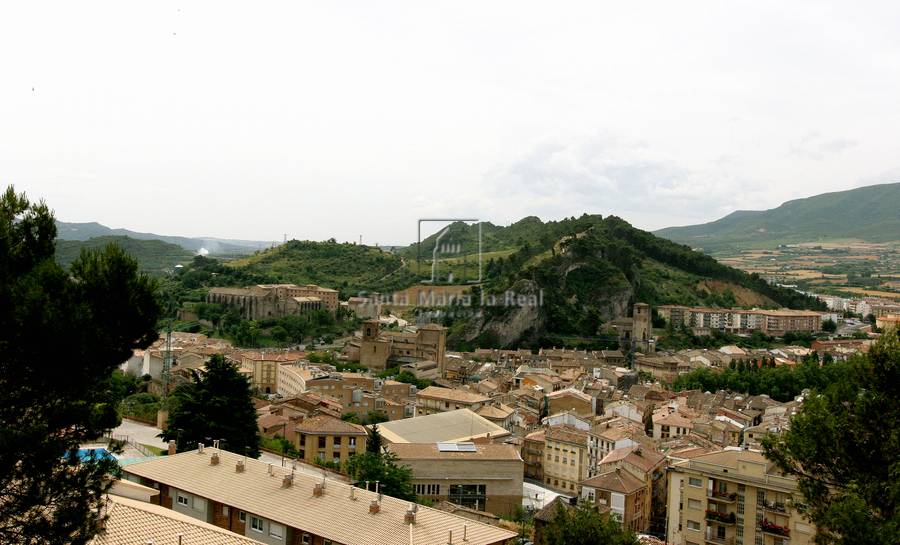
(99, 453)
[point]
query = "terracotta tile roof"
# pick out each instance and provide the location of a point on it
(132, 521)
(450, 426)
(491, 411)
(430, 451)
(436, 392)
(329, 425)
(570, 392)
(643, 458)
(333, 515)
(616, 480)
(566, 433)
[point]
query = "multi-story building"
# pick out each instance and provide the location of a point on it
(329, 439)
(607, 437)
(772, 322)
(626, 496)
(275, 300)
(734, 497)
(447, 427)
(565, 458)
(533, 455)
(434, 399)
(572, 400)
(485, 477)
(279, 506)
(263, 368)
(378, 348)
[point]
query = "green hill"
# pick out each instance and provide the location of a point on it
(869, 213)
(153, 256)
(593, 277)
(349, 268)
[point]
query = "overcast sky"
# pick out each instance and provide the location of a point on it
(340, 119)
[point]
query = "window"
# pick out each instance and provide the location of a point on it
(242, 516)
(225, 510)
(321, 442)
(336, 442)
(427, 489)
(182, 500)
(276, 530)
(693, 525)
(306, 540)
(693, 504)
(256, 524)
(351, 442)
(694, 481)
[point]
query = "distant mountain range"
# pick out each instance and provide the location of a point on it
(870, 213)
(216, 246)
(153, 256)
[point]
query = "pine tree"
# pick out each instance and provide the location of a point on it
(62, 333)
(842, 446)
(216, 405)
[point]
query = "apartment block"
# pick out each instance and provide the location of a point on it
(329, 439)
(565, 458)
(278, 506)
(434, 399)
(734, 497)
(772, 322)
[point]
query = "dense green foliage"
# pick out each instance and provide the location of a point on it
(583, 524)
(843, 445)
(393, 479)
(98, 311)
(587, 277)
(781, 383)
(349, 268)
(152, 256)
(873, 209)
(216, 405)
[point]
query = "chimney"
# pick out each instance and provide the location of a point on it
(318, 490)
(239, 467)
(410, 517)
(353, 493)
(200, 448)
(172, 448)
(269, 471)
(287, 481)
(374, 507)
(214, 459)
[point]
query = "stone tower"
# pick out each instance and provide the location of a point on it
(370, 330)
(642, 329)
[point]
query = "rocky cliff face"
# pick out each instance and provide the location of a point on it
(570, 290)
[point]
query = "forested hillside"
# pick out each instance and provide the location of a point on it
(866, 213)
(153, 256)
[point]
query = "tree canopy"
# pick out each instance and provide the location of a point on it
(62, 332)
(583, 524)
(216, 405)
(843, 447)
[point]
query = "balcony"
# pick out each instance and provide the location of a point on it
(720, 517)
(722, 497)
(711, 538)
(773, 529)
(776, 507)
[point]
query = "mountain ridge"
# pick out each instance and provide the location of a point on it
(88, 230)
(869, 213)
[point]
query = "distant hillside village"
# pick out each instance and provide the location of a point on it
(489, 431)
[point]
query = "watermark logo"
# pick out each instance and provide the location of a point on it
(455, 256)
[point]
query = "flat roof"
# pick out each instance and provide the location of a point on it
(333, 515)
(431, 451)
